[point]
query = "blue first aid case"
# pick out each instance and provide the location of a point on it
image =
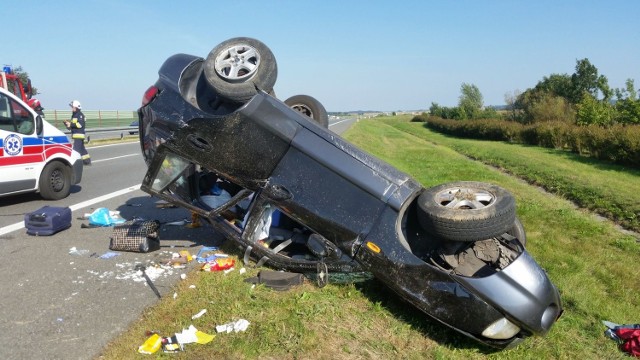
(47, 220)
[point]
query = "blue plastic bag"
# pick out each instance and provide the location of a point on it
(102, 217)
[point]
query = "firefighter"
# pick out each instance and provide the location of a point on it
(77, 127)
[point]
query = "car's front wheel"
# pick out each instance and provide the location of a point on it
(310, 107)
(466, 211)
(236, 68)
(55, 181)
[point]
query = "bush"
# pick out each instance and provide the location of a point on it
(617, 143)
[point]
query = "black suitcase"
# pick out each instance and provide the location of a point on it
(47, 220)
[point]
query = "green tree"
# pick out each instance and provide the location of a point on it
(627, 105)
(549, 107)
(593, 111)
(587, 80)
(470, 101)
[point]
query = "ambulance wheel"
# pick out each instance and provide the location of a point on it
(55, 181)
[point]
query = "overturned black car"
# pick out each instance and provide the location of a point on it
(293, 195)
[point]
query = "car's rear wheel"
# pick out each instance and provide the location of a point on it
(236, 68)
(310, 107)
(466, 211)
(55, 181)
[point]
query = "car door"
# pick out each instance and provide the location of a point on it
(20, 148)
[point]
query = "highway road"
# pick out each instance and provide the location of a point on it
(63, 304)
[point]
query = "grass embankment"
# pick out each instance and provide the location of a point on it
(610, 190)
(590, 262)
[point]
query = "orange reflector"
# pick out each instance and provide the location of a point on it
(373, 247)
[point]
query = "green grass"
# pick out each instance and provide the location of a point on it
(610, 190)
(590, 261)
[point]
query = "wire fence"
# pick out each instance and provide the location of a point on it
(94, 118)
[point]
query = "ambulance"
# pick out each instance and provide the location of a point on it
(35, 156)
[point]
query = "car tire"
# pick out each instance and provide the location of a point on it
(466, 211)
(517, 231)
(55, 181)
(236, 68)
(310, 107)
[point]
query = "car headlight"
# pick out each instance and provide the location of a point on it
(501, 329)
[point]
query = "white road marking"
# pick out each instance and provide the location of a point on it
(20, 225)
(113, 158)
(338, 122)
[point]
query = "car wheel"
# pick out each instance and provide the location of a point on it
(466, 211)
(310, 107)
(517, 231)
(55, 181)
(236, 68)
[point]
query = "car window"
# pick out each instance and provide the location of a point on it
(15, 117)
(172, 168)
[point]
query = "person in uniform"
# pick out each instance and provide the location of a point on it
(77, 127)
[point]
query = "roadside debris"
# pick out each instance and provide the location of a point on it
(626, 336)
(143, 269)
(103, 217)
(202, 312)
(277, 280)
(78, 252)
(219, 264)
(109, 255)
(235, 326)
(161, 204)
(176, 342)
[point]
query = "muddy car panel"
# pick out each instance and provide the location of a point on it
(362, 205)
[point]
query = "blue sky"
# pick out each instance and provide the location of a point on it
(350, 55)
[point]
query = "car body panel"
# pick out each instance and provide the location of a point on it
(25, 151)
(363, 206)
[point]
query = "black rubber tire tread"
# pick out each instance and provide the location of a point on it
(517, 231)
(46, 189)
(467, 225)
(318, 112)
(264, 79)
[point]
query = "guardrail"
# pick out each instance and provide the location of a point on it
(94, 118)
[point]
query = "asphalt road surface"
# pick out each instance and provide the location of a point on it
(58, 303)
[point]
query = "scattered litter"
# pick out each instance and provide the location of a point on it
(626, 336)
(207, 253)
(78, 252)
(151, 345)
(202, 312)
(236, 326)
(219, 264)
(177, 223)
(109, 255)
(161, 204)
(174, 343)
(192, 286)
(179, 260)
(183, 276)
(193, 335)
(104, 217)
(243, 270)
(143, 269)
(277, 280)
(175, 295)
(228, 271)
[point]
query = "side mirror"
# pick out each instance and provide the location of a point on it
(39, 126)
